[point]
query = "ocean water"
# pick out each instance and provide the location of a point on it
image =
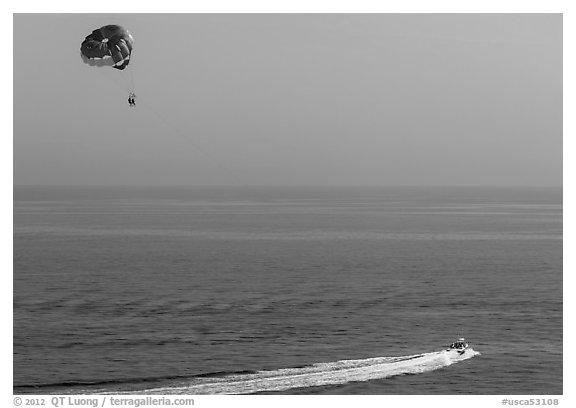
(287, 290)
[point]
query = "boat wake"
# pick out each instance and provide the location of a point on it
(334, 373)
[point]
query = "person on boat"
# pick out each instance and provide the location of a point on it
(131, 99)
(460, 344)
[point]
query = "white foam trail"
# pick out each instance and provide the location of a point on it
(339, 372)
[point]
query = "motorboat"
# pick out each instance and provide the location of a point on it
(460, 346)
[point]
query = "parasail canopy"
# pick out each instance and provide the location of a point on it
(110, 45)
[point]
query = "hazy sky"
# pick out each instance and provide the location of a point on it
(292, 99)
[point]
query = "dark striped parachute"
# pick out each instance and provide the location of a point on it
(110, 45)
